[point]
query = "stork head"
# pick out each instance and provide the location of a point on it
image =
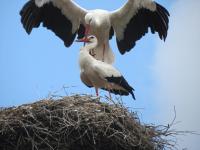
(90, 43)
(97, 18)
(92, 39)
(89, 39)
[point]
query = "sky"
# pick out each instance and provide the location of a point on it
(177, 68)
(163, 74)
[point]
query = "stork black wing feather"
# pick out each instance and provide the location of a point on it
(111, 33)
(54, 20)
(117, 92)
(123, 83)
(51, 17)
(81, 31)
(30, 16)
(138, 26)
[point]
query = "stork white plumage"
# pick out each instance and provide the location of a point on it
(66, 19)
(98, 74)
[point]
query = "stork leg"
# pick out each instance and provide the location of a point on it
(104, 47)
(97, 92)
(87, 28)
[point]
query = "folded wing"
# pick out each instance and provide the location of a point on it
(118, 84)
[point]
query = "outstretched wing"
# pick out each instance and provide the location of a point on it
(132, 21)
(63, 17)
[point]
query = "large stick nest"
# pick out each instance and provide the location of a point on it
(76, 123)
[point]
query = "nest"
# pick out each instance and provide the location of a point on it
(76, 123)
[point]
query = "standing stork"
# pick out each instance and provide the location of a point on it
(67, 19)
(98, 74)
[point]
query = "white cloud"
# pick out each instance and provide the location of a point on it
(177, 70)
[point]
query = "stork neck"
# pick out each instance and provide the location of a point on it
(85, 59)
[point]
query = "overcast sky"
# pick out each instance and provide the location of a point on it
(177, 68)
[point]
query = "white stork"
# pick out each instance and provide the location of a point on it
(98, 74)
(67, 19)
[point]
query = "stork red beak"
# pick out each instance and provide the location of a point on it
(84, 39)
